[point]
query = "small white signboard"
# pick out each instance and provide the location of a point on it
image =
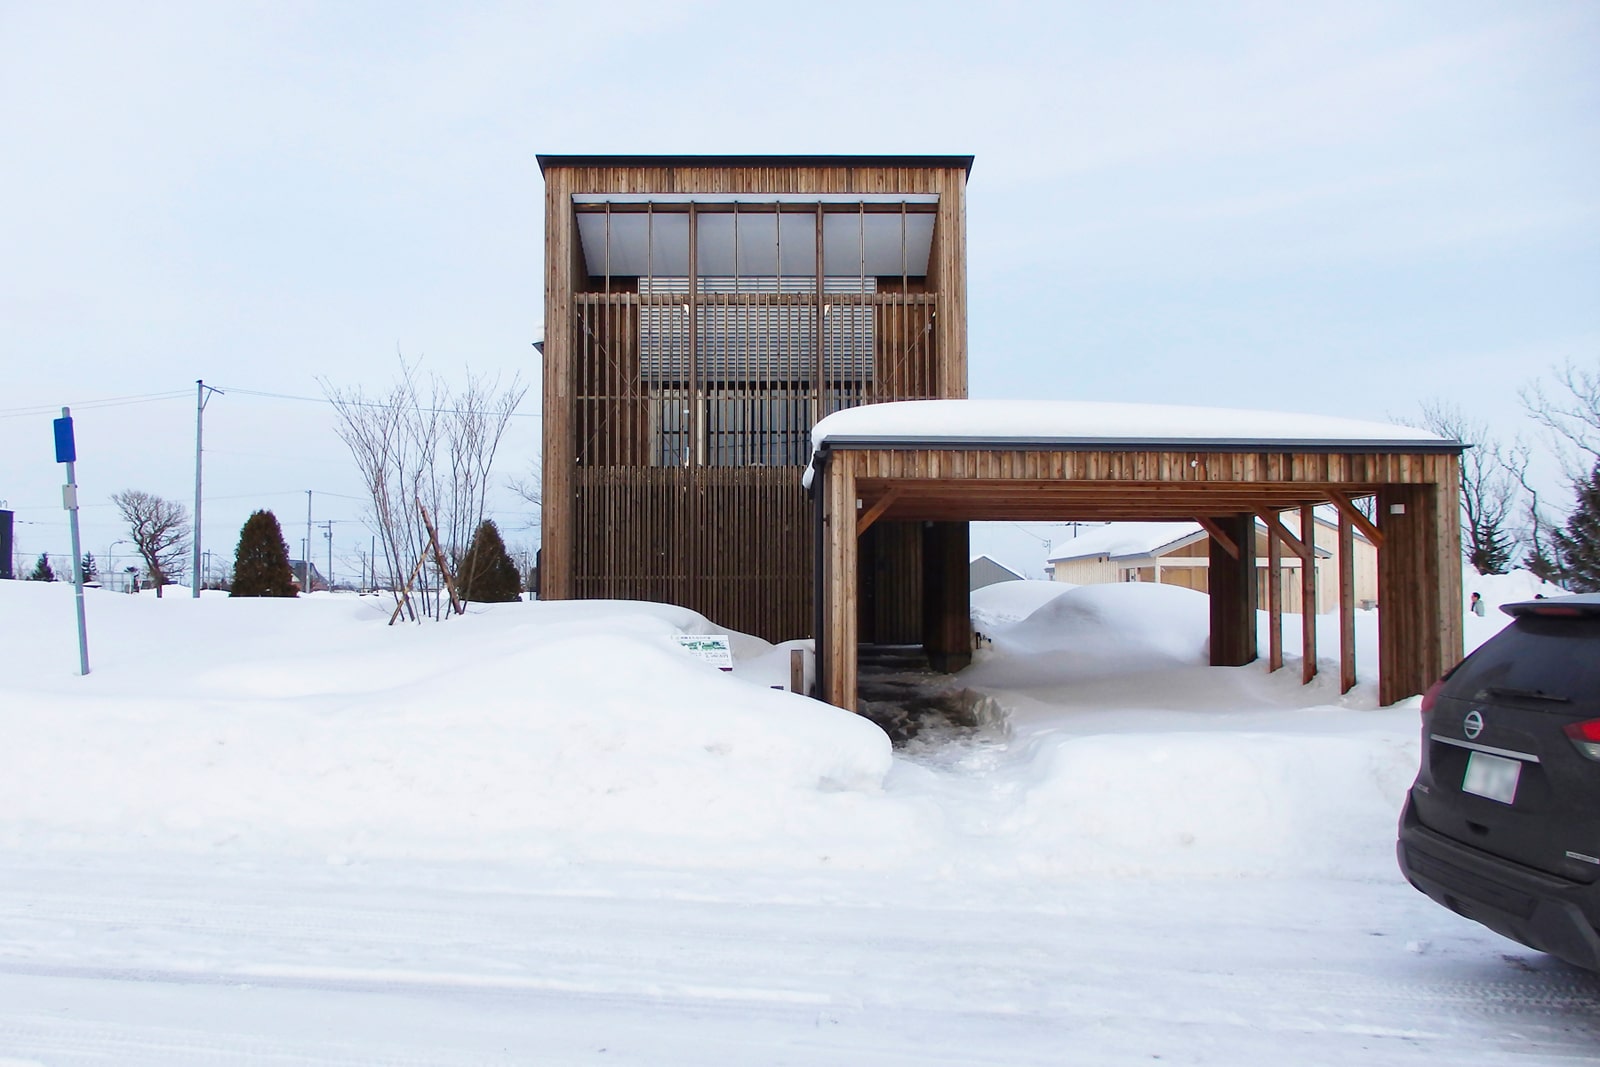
(712, 648)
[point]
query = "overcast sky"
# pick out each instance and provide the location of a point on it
(1342, 208)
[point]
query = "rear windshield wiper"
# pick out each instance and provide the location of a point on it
(1525, 694)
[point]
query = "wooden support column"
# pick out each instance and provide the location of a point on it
(1274, 596)
(836, 645)
(1232, 584)
(1347, 603)
(1308, 595)
(562, 253)
(947, 596)
(1419, 587)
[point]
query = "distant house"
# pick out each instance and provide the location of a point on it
(984, 570)
(1179, 553)
(318, 582)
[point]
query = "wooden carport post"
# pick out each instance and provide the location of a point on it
(1350, 518)
(1232, 584)
(1308, 594)
(1347, 603)
(946, 596)
(1419, 585)
(837, 643)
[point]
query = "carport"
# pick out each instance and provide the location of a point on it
(944, 463)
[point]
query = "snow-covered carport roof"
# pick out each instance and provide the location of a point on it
(953, 461)
(991, 455)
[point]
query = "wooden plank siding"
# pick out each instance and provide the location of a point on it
(636, 508)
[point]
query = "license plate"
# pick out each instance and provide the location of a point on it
(1489, 776)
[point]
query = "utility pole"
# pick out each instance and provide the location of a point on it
(202, 394)
(327, 533)
(305, 563)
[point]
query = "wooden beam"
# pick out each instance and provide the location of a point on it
(1347, 603)
(1220, 536)
(1275, 528)
(872, 514)
(1308, 596)
(1348, 509)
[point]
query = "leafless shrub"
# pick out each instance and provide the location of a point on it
(422, 443)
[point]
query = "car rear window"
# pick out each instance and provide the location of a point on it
(1559, 657)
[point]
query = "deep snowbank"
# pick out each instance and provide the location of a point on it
(523, 730)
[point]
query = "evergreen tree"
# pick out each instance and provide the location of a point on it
(487, 574)
(91, 569)
(261, 562)
(1577, 548)
(42, 571)
(1492, 552)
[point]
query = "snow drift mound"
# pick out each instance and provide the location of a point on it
(1002, 604)
(1097, 630)
(520, 731)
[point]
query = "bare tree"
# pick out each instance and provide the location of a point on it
(159, 530)
(474, 422)
(530, 487)
(1568, 411)
(422, 444)
(1488, 487)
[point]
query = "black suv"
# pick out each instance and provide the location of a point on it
(1503, 822)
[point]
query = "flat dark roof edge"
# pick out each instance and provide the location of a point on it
(1149, 444)
(932, 162)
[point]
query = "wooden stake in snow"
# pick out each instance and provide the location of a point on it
(432, 548)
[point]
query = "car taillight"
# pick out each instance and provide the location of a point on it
(1431, 697)
(1586, 737)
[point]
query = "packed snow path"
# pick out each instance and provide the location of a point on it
(192, 963)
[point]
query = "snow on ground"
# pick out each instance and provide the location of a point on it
(281, 831)
(311, 727)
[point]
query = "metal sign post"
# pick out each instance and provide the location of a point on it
(67, 452)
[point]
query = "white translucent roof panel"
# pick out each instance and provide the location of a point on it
(755, 198)
(756, 244)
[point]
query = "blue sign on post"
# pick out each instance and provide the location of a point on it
(66, 448)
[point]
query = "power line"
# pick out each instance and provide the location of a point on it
(365, 403)
(108, 402)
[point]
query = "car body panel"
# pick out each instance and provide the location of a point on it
(1502, 824)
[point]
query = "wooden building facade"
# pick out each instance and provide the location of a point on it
(702, 314)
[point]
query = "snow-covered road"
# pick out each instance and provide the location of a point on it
(189, 962)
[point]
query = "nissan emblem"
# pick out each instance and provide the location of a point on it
(1472, 725)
